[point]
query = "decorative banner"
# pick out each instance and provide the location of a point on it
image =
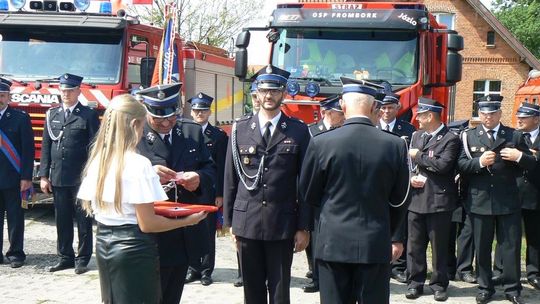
(167, 61)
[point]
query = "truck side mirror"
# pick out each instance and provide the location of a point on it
(241, 57)
(454, 61)
(242, 40)
(147, 70)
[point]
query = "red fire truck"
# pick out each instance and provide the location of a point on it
(114, 53)
(527, 92)
(399, 42)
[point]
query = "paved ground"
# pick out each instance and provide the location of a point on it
(32, 284)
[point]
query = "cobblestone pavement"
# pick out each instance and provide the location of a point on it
(32, 284)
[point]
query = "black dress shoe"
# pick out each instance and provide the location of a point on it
(535, 282)
(80, 269)
(515, 299)
(309, 274)
(440, 295)
(206, 280)
(497, 280)
(16, 264)
(399, 276)
(191, 277)
(239, 282)
(483, 297)
(413, 293)
(468, 278)
(61, 266)
(311, 287)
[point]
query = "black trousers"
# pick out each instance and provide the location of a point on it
(207, 263)
(312, 263)
(400, 265)
(172, 283)
(128, 265)
(266, 270)
(465, 248)
(427, 228)
(364, 283)
(531, 220)
(66, 208)
(10, 204)
(508, 230)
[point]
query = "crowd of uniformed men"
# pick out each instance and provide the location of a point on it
(363, 192)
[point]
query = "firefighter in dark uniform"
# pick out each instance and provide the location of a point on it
(356, 264)
(261, 203)
(176, 149)
(492, 158)
(16, 164)
(68, 132)
(434, 152)
(216, 141)
(388, 121)
(332, 117)
(527, 121)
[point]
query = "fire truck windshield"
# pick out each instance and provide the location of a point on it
(357, 53)
(32, 53)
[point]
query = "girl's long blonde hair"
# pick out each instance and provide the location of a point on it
(117, 135)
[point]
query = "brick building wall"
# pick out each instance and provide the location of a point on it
(480, 62)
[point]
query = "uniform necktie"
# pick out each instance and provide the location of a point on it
(527, 138)
(68, 113)
(387, 128)
(267, 134)
(167, 139)
(426, 139)
(491, 135)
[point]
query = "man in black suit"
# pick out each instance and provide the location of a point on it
(16, 164)
(434, 152)
(332, 117)
(176, 149)
(356, 186)
(492, 158)
(261, 204)
(216, 142)
(68, 132)
(388, 121)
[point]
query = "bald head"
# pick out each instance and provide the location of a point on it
(356, 104)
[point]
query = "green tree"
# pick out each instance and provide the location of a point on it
(210, 22)
(521, 17)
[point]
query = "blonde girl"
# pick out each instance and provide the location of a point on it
(119, 187)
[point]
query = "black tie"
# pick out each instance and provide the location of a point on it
(267, 135)
(167, 139)
(491, 136)
(426, 139)
(387, 128)
(68, 112)
(527, 138)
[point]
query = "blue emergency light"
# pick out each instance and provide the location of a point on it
(105, 7)
(312, 89)
(4, 6)
(293, 87)
(17, 4)
(81, 5)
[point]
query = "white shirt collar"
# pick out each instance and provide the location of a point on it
(390, 125)
(262, 123)
(203, 127)
(162, 135)
(326, 125)
(2, 112)
(496, 129)
(437, 131)
(534, 133)
(71, 108)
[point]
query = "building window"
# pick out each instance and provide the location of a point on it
(491, 38)
(447, 19)
(483, 88)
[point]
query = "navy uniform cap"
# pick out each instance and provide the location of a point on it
(360, 86)
(271, 77)
(201, 101)
(161, 100)
(5, 85)
(70, 81)
(427, 104)
(391, 98)
(489, 103)
(528, 110)
(331, 103)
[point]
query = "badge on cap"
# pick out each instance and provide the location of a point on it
(160, 95)
(66, 76)
(200, 95)
(269, 69)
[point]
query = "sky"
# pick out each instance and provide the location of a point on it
(259, 50)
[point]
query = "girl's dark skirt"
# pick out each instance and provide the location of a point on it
(128, 265)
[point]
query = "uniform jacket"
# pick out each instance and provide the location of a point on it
(317, 128)
(493, 190)
(529, 182)
(273, 211)
(353, 183)
(17, 127)
(186, 153)
(216, 142)
(62, 161)
(437, 161)
(401, 128)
